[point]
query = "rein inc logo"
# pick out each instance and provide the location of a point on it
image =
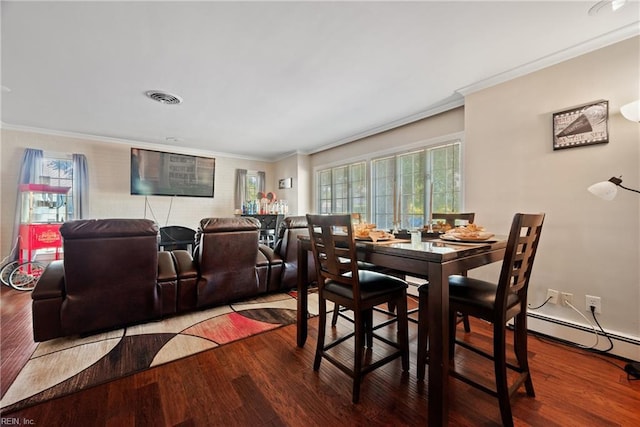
(15, 421)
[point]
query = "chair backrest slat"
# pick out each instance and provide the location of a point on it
(522, 245)
(334, 249)
(451, 217)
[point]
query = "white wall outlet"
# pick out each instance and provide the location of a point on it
(552, 296)
(596, 302)
(566, 297)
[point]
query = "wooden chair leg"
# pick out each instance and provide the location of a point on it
(336, 312)
(465, 323)
(453, 321)
(500, 365)
(358, 355)
(403, 331)
(391, 307)
(423, 334)
(520, 347)
(465, 318)
(322, 320)
(368, 317)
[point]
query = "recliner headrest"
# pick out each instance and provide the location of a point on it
(118, 227)
(216, 225)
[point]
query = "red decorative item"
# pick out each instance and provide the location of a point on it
(44, 209)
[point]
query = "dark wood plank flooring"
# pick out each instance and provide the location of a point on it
(266, 380)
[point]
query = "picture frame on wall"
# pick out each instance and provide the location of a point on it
(285, 183)
(586, 124)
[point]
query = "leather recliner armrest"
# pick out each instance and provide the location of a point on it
(47, 297)
(167, 282)
(185, 264)
(51, 282)
(166, 267)
(271, 255)
(276, 264)
(187, 271)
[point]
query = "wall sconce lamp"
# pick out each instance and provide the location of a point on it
(607, 190)
(631, 111)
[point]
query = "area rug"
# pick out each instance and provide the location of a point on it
(66, 365)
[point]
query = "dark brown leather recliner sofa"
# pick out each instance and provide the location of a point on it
(112, 274)
(286, 250)
(228, 264)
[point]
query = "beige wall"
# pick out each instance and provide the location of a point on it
(287, 168)
(298, 197)
(109, 170)
(450, 122)
(588, 246)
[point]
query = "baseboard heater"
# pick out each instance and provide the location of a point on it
(625, 347)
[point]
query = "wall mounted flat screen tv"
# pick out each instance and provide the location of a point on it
(168, 174)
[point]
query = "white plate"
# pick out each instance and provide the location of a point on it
(481, 238)
(369, 239)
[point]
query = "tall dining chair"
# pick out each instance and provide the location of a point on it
(452, 219)
(496, 303)
(342, 282)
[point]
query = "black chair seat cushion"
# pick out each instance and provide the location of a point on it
(363, 265)
(372, 285)
(474, 293)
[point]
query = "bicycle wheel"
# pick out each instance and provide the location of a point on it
(6, 272)
(25, 276)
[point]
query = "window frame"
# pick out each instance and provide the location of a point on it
(335, 188)
(455, 140)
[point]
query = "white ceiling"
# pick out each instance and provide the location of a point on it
(265, 79)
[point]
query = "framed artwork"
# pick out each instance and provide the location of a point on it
(584, 125)
(285, 183)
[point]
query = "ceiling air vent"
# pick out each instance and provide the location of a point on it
(163, 97)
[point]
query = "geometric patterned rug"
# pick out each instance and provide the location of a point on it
(65, 365)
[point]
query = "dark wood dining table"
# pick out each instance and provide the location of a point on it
(436, 259)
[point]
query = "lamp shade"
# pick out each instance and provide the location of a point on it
(631, 111)
(606, 190)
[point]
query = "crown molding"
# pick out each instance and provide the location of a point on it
(619, 35)
(122, 141)
(450, 103)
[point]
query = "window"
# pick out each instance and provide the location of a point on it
(383, 192)
(57, 171)
(251, 187)
(343, 189)
(405, 187)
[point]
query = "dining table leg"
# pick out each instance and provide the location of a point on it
(438, 315)
(303, 312)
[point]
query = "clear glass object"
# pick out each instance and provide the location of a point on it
(43, 204)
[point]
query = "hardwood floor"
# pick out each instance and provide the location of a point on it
(266, 380)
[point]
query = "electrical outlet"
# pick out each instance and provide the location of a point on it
(566, 297)
(552, 296)
(595, 302)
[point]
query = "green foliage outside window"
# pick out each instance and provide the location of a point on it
(400, 187)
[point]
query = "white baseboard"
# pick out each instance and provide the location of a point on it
(624, 346)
